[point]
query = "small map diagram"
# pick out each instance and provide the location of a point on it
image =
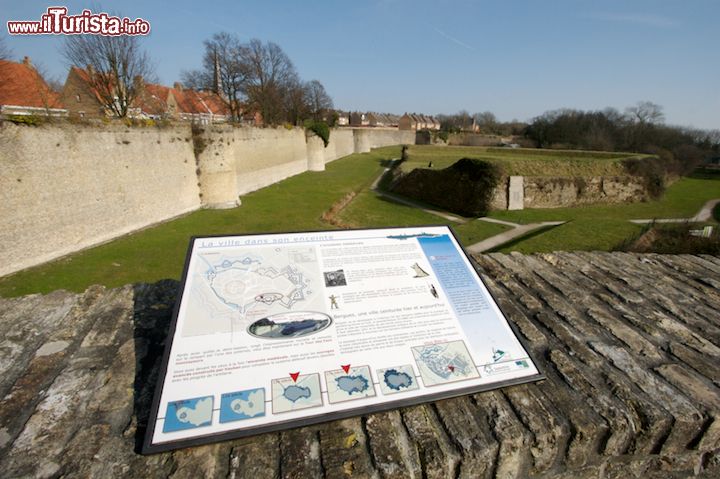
(243, 283)
(230, 291)
(188, 414)
(444, 363)
(343, 386)
(302, 393)
(397, 379)
(241, 405)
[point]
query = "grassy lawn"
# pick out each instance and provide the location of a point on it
(681, 200)
(371, 210)
(158, 252)
(578, 235)
(475, 231)
(604, 227)
(297, 204)
(521, 161)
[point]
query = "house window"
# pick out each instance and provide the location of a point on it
(77, 97)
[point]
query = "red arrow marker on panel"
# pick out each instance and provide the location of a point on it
(346, 368)
(451, 368)
(294, 376)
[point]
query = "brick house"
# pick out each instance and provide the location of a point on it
(408, 122)
(152, 101)
(23, 91)
(178, 103)
(418, 122)
(359, 119)
(79, 96)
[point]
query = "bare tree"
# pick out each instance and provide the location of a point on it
(645, 112)
(319, 101)
(259, 75)
(297, 103)
(196, 80)
(486, 120)
(270, 74)
(116, 64)
(223, 72)
(5, 52)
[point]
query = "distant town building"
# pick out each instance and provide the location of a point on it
(79, 96)
(23, 91)
(179, 103)
(382, 119)
(343, 118)
(413, 121)
(153, 101)
(252, 118)
(359, 119)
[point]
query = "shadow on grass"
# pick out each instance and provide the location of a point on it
(522, 238)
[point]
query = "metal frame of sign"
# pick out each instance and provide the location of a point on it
(392, 401)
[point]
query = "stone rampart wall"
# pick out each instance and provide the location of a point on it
(66, 187)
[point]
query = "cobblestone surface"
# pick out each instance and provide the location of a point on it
(630, 345)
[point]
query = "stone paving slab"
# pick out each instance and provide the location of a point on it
(630, 345)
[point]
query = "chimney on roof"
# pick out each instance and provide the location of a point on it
(91, 70)
(178, 86)
(26, 61)
(138, 82)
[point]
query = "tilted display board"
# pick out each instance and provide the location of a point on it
(283, 330)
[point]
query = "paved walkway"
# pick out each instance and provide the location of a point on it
(519, 230)
(509, 235)
(704, 214)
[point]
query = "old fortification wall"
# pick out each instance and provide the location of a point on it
(473, 139)
(236, 161)
(552, 192)
(67, 187)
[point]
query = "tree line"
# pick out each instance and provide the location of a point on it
(259, 76)
(640, 128)
(249, 77)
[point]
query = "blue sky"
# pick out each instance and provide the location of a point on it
(514, 58)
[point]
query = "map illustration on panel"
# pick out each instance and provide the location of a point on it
(444, 363)
(229, 293)
(355, 383)
(397, 379)
(290, 394)
(289, 325)
(240, 405)
(188, 414)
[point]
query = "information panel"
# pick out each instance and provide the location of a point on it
(283, 330)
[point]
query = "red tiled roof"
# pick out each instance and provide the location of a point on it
(154, 99)
(189, 101)
(22, 85)
(213, 101)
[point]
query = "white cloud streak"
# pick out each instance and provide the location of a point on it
(452, 39)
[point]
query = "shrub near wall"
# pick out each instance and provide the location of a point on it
(466, 187)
